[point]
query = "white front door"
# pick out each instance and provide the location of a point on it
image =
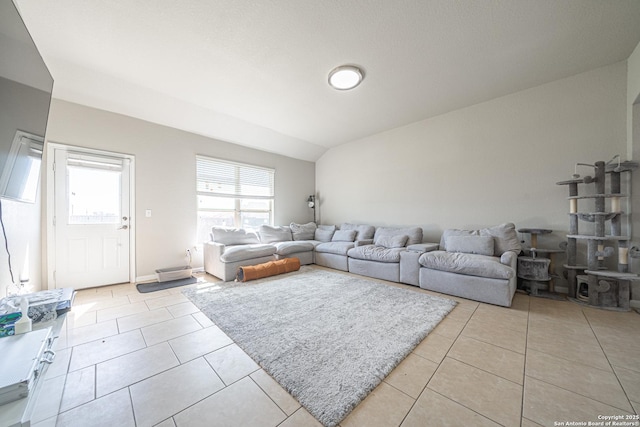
(91, 219)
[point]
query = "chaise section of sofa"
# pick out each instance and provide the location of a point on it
(474, 264)
(233, 248)
(290, 244)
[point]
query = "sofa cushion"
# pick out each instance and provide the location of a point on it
(244, 252)
(324, 233)
(469, 264)
(338, 248)
(288, 248)
(480, 245)
(362, 231)
(269, 234)
(233, 236)
(303, 231)
(344, 236)
(505, 237)
(414, 234)
(391, 241)
(376, 253)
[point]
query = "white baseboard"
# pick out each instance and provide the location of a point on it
(148, 278)
(152, 277)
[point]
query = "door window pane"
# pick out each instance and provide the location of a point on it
(94, 196)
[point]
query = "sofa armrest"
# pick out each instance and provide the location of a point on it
(214, 248)
(363, 242)
(423, 247)
(212, 252)
(509, 258)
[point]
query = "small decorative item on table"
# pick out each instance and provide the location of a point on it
(7, 323)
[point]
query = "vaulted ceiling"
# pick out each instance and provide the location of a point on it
(254, 72)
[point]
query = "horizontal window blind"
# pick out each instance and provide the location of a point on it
(94, 161)
(229, 179)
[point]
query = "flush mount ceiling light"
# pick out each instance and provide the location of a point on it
(345, 77)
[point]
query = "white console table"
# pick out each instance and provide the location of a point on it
(19, 412)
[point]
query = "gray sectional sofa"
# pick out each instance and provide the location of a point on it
(474, 264)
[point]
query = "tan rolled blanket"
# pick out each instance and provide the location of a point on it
(271, 268)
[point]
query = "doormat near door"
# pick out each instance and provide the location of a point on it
(144, 288)
(328, 338)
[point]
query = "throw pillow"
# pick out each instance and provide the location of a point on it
(414, 234)
(303, 231)
(363, 231)
(324, 233)
(455, 232)
(269, 234)
(480, 245)
(389, 241)
(344, 236)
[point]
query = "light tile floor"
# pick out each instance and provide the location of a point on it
(131, 359)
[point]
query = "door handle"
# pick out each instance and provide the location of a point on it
(124, 227)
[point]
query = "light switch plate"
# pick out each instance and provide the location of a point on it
(147, 213)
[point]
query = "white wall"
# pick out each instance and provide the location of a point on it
(482, 165)
(633, 148)
(633, 97)
(165, 177)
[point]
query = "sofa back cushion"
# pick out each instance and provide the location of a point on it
(269, 234)
(233, 236)
(363, 232)
(480, 245)
(303, 231)
(324, 233)
(504, 237)
(344, 236)
(414, 234)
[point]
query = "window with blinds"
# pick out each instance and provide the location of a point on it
(232, 195)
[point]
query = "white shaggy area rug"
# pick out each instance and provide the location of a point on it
(328, 338)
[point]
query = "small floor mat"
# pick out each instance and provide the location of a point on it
(144, 288)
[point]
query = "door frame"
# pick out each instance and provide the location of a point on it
(50, 206)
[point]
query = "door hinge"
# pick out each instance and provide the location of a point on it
(54, 166)
(54, 221)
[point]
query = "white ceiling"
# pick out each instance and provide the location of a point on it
(254, 72)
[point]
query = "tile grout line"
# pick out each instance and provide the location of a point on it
(524, 366)
(439, 363)
(608, 361)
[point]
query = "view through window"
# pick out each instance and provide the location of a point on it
(232, 195)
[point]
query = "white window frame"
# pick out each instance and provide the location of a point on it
(243, 174)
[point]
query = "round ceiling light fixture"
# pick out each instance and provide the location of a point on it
(345, 77)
